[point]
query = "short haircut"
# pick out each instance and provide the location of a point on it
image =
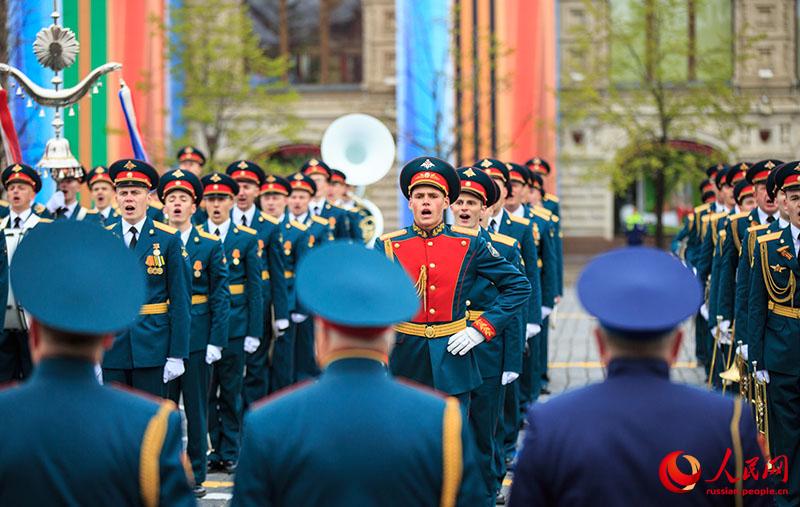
(651, 345)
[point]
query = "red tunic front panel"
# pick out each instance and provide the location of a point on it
(435, 263)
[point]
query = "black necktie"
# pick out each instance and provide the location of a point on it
(216, 233)
(244, 220)
(493, 225)
(16, 223)
(770, 219)
(132, 244)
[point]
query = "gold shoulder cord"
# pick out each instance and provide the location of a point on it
(776, 293)
(751, 246)
(452, 453)
(735, 233)
(152, 443)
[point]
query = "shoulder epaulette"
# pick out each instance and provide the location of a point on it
(297, 224)
(207, 235)
(758, 227)
(769, 237)
(394, 234)
(269, 218)
(464, 230)
(550, 197)
(156, 205)
(3, 203)
(519, 220)
(502, 238)
(702, 207)
(320, 220)
(164, 227)
(45, 220)
(739, 215)
(542, 213)
(555, 219)
(690, 217)
(109, 227)
(39, 208)
(246, 229)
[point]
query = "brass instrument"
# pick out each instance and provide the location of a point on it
(761, 410)
(714, 354)
(737, 373)
(728, 360)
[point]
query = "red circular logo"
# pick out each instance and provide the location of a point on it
(671, 476)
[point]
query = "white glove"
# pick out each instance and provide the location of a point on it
(704, 311)
(251, 344)
(762, 375)
(532, 330)
(724, 338)
(742, 351)
(546, 311)
(508, 377)
(297, 318)
(725, 327)
(56, 201)
(173, 369)
(463, 341)
(98, 373)
(213, 354)
(282, 324)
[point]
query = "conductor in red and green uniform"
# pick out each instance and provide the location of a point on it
(444, 262)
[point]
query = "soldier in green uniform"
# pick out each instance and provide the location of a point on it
(181, 191)
(358, 215)
(500, 360)
(753, 207)
(274, 196)
(445, 262)
(319, 206)
(191, 159)
(540, 166)
(251, 178)
(75, 441)
(309, 230)
(245, 321)
(101, 187)
(22, 183)
(152, 352)
(409, 446)
(773, 327)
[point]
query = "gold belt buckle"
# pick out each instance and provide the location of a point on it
(429, 332)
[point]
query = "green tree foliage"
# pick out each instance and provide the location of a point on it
(657, 71)
(233, 95)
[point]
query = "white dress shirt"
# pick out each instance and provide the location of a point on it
(237, 215)
(126, 229)
(795, 235)
(222, 228)
(23, 217)
(300, 218)
(762, 216)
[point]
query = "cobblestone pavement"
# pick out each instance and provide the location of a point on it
(573, 363)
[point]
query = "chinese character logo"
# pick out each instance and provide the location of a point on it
(673, 478)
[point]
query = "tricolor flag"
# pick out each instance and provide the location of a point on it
(8, 132)
(126, 100)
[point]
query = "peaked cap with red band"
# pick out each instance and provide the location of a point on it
(22, 173)
(475, 181)
(180, 180)
(129, 172)
(219, 184)
(759, 172)
(433, 172)
(299, 181)
(191, 153)
(316, 166)
(246, 171)
(276, 185)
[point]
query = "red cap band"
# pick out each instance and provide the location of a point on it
(134, 176)
(301, 185)
(179, 185)
(245, 175)
(429, 178)
(475, 188)
(273, 188)
(218, 189)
